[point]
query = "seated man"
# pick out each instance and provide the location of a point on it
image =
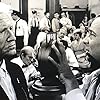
(28, 63)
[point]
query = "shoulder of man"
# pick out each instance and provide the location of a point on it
(12, 67)
(22, 21)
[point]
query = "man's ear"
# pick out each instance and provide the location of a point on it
(22, 55)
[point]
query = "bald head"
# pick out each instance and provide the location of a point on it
(27, 50)
(27, 55)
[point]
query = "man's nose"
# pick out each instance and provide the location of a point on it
(33, 60)
(12, 36)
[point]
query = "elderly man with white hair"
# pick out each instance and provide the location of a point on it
(12, 81)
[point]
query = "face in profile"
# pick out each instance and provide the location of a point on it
(48, 15)
(7, 42)
(27, 55)
(95, 46)
(56, 15)
(28, 58)
(95, 43)
(14, 17)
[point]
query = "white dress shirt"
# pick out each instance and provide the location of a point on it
(66, 21)
(22, 30)
(40, 38)
(5, 82)
(33, 22)
(44, 23)
(71, 58)
(28, 71)
(55, 25)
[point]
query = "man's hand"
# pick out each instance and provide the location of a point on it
(65, 72)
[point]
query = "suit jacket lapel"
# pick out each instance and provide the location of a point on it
(3, 95)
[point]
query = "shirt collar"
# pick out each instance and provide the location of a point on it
(18, 61)
(3, 66)
(3, 69)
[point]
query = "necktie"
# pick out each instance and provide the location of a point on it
(34, 23)
(49, 23)
(16, 26)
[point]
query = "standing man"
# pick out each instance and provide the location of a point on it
(65, 21)
(55, 23)
(45, 24)
(12, 81)
(45, 27)
(33, 28)
(21, 31)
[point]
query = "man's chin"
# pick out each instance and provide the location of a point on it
(11, 52)
(10, 55)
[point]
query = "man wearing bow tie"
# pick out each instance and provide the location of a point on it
(28, 63)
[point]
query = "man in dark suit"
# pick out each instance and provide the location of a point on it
(12, 81)
(33, 25)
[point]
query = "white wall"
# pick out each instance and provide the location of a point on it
(94, 6)
(39, 5)
(73, 3)
(14, 3)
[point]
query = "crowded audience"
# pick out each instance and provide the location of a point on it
(37, 58)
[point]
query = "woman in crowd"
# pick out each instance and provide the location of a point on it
(80, 50)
